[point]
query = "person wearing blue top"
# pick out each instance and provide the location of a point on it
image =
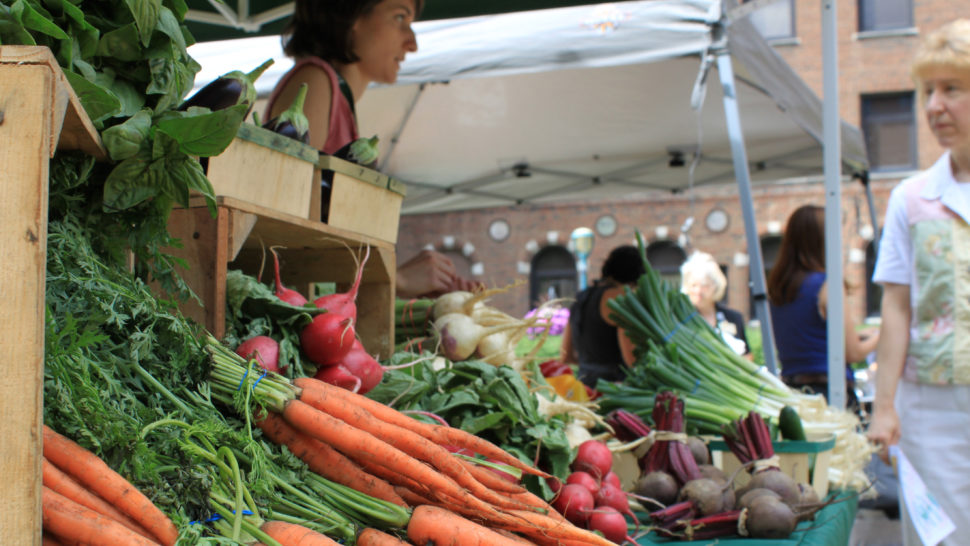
(798, 295)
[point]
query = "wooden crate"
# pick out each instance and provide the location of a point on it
(362, 200)
(39, 113)
(806, 462)
(238, 238)
(267, 169)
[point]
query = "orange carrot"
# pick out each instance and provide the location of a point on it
(438, 434)
(413, 444)
(490, 479)
(92, 472)
(75, 523)
(412, 497)
(361, 446)
(292, 534)
(372, 537)
(440, 527)
(60, 482)
(325, 460)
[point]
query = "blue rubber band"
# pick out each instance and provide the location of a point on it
(679, 324)
(217, 517)
(258, 380)
(243, 380)
(697, 384)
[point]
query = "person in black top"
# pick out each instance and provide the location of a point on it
(704, 283)
(591, 338)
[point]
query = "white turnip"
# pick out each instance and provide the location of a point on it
(286, 294)
(264, 349)
(328, 338)
(459, 335)
(452, 302)
(345, 303)
(593, 457)
(574, 502)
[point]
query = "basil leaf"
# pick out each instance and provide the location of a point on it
(34, 20)
(129, 183)
(206, 134)
(125, 140)
(121, 44)
(170, 79)
(145, 13)
(169, 26)
(98, 102)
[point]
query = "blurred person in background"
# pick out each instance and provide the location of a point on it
(922, 400)
(798, 294)
(591, 338)
(704, 283)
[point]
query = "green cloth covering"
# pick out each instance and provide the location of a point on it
(831, 527)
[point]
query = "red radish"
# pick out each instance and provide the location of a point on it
(362, 365)
(574, 502)
(584, 479)
(338, 376)
(612, 479)
(614, 497)
(288, 295)
(264, 349)
(328, 339)
(554, 483)
(610, 522)
(593, 457)
(344, 303)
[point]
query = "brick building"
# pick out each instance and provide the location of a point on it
(528, 246)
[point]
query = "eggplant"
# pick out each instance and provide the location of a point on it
(362, 151)
(230, 89)
(292, 123)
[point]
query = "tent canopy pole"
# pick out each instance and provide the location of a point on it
(740, 159)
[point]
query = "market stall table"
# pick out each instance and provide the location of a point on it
(831, 527)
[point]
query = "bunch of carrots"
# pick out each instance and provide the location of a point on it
(85, 501)
(349, 438)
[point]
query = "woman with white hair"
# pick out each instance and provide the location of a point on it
(704, 283)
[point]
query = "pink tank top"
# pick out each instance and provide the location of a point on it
(343, 126)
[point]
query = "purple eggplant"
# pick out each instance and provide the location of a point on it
(292, 123)
(230, 89)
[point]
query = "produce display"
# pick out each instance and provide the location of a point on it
(288, 430)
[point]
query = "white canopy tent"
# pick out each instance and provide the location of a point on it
(584, 103)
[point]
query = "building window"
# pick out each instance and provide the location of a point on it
(873, 290)
(666, 257)
(876, 15)
(889, 125)
(552, 275)
(775, 20)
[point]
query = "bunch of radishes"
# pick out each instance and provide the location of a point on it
(329, 340)
(592, 496)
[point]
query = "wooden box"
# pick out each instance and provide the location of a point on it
(267, 169)
(805, 461)
(362, 200)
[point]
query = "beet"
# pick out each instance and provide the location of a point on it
(659, 486)
(769, 517)
(699, 450)
(808, 498)
(706, 494)
(777, 481)
(712, 472)
(751, 494)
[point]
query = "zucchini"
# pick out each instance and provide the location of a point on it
(790, 424)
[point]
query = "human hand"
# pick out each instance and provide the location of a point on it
(884, 431)
(430, 274)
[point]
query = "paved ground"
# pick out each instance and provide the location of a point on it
(874, 528)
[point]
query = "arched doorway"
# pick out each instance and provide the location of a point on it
(666, 257)
(552, 275)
